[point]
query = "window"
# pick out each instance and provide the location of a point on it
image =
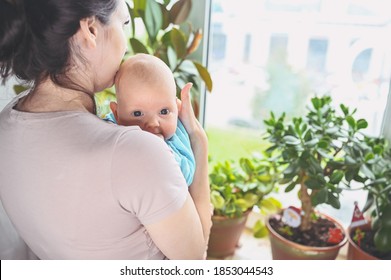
(293, 50)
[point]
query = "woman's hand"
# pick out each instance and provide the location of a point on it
(199, 189)
(188, 118)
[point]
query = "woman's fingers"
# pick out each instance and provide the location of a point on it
(186, 113)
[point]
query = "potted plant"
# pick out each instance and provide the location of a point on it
(160, 28)
(320, 154)
(236, 187)
(370, 239)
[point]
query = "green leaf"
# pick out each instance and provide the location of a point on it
(332, 130)
(367, 172)
(19, 89)
(260, 230)
(290, 187)
(205, 76)
(311, 143)
(314, 183)
(361, 124)
(291, 140)
(316, 103)
(344, 109)
(153, 20)
(180, 11)
(319, 197)
(336, 177)
(139, 7)
(217, 200)
(172, 58)
(351, 121)
(178, 41)
(333, 201)
(137, 46)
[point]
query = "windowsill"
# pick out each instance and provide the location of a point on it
(251, 248)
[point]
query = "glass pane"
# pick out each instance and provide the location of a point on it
(274, 55)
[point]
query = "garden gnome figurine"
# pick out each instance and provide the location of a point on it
(358, 217)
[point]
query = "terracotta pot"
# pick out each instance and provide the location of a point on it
(354, 251)
(225, 234)
(284, 249)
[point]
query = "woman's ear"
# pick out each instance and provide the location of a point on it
(89, 31)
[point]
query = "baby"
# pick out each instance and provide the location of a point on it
(146, 96)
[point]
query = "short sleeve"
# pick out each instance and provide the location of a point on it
(146, 179)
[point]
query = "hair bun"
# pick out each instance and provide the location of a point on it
(12, 27)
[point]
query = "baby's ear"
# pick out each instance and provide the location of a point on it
(113, 107)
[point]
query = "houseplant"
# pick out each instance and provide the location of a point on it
(236, 187)
(160, 28)
(373, 239)
(320, 154)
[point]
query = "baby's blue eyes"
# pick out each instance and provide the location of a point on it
(139, 113)
(164, 111)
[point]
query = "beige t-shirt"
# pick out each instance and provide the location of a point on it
(76, 187)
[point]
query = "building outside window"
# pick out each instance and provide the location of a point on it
(294, 51)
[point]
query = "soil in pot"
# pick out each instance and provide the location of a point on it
(367, 244)
(317, 236)
(322, 242)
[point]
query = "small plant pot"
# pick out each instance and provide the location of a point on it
(354, 251)
(284, 249)
(225, 234)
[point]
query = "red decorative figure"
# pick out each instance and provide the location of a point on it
(358, 217)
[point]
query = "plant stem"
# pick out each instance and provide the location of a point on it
(306, 205)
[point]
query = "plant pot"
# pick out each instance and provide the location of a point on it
(354, 251)
(284, 249)
(225, 234)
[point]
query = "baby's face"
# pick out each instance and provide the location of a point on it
(153, 109)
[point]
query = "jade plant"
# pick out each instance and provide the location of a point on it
(320, 153)
(238, 186)
(378, 204)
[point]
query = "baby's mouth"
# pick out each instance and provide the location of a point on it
(160, 135)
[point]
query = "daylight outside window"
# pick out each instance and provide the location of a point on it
(274, 55)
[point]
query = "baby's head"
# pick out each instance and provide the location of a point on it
(146, 95)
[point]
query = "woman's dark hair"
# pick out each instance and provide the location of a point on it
(35, 35)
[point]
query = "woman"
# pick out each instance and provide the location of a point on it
(74, 186)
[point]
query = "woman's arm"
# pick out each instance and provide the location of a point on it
(199, 189)
(185, 234)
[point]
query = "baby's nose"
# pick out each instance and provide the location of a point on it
(152, 124)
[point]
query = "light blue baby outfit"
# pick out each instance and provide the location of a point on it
(180, 145)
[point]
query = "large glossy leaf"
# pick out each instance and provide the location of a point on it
(137, 46)
(178, 41)
(180, 11)
(172, 58)
(205, 76)
(139, 7)
(153, 19)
